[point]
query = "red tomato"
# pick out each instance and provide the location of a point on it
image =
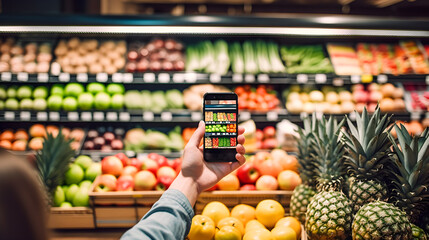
(247, 87)
(252, 96)
(239, 90)
(252, 105)
(261, 90)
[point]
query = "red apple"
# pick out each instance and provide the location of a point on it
(259, 135)
(266, 165)
(360, 96)
(129, 171)
(288, 180)
(105, 183)
(124, 159)
(144, 180)
(267, 182)
(229, 182)
(164, 183)
(175, 163)
(269, 132)
(166, 172)
(136, 163)
(215, 187)
(125, 183)
(248, 173)
(111, 165)
(269, 143)
(248, 187)
(358, 87)
(161, 160)
(150, 165)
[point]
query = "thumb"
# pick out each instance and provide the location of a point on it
(198, 135)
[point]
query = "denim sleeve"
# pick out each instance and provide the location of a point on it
(169, 218)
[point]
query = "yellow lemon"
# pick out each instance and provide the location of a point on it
(231, 221)
(244, 213)
(258, 234)
(268, 212)
(290, 222)
(216, 211)
(228, 233)
(253, 225)
(202, 227)
(283, 233)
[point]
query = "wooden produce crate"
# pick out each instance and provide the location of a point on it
(71, 218)
(233, 198)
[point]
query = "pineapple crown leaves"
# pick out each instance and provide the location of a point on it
(368, 144)
(53, 160)
(305, 150)
(329, 153)
(409, 178)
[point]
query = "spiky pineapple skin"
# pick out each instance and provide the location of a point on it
(301, 197)
(362, 192)
(381, 221)
(418, 233)
(329, 216)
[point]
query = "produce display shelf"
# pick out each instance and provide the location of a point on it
(71, 218)
(202, 78)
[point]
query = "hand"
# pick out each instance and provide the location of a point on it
(198, 175)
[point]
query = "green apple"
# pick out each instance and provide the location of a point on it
(24, 92)
(85, 101)
(1, 105)
(83, 161)
(40, 92)
(74, 175)
(3, 93)
(26, 104)
(118, 101)
(40, 104)
(102, 101)
(115, 88)
(65, 188)
(12, 104)
(57, 89)
(11, 92)
(93, 171)
(59, 196)
(73, 89)
(66, 205)
(55, 102)
(81, 198)
(70, 104)
(85, 184)
(95, 88)
(71, 192)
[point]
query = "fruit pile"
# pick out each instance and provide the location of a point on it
(137, 140)
(362, 183)
(263, 171)
(266, 221)
(20, 140)
(31, 57)
(120, 173)
(90, 56)
(229, 128)
(415, 53)
(389, 97)
(157, 55)
(219, 116)
(266, 138)
(261, 98)
(103, 140)
(419, 97)
(78, 181)
(155, 101)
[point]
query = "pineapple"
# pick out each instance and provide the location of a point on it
(418, 233)
(381, 221)
(329, 212)
(53, 161)
(303, 193)
(368, 154)
(409, 178)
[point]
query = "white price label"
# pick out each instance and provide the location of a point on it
(6, 76)
(148, 116)
(163, 77)
(112, 116)
(382, 78)
(98, 116)
(249, 78)
(320, 78)
(263, 78)
(178, 77)
(55, 69)
(415, 116)
(124, 116)
(25, 116)
(355, 78)
(237, 77)
(42, 77)
(149, 77)
(427, 80)
(352, 116)
(42, 116)
(54, 116)
(215, 78)
(64, 77)
(272, 116)
(101, 77)
(244, 116)
(166, 116)
(10, 116)
(196, 116)
(82, 77)
(427, 115)
(302, 78)
(338, 82)
(127, 77)
(73, 116)
(22, 76)
(303, 115)
(86, 116)
(117, 77)
(190, 77)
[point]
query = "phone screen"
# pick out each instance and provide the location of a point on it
(220, 116)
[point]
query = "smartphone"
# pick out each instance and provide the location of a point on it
(220, 112)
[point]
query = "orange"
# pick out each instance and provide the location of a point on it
(254, 225)
(283, 233)
(258, 234)
(268, 212)
(228, 233)
(244, 213)
(231, 221)
(216, 211)
(290, 222)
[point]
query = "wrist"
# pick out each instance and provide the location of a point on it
(188, 186)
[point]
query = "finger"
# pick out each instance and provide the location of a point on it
(240, 139)
(198, 135)
(240, 161)
(240, 149)
(241, 130)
